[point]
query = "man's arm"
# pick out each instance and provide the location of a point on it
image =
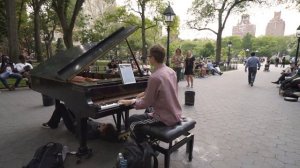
(246, 65)
(258, 64)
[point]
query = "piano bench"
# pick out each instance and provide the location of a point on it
(168, 135)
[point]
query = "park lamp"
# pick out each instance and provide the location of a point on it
(229, 44)
(169, 15)
(298, 32)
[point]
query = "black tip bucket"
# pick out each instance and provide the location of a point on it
(47, 101)
(189, 98)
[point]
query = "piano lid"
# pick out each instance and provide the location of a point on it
(67, 64)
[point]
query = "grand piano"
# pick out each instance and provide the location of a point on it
(94, 99)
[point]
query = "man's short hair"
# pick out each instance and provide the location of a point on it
(158, 52)
(253, 54)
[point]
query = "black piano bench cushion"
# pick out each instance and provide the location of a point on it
(169, 133)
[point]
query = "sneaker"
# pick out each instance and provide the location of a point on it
(251, 84)
(45, 125)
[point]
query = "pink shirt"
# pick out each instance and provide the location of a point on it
(162, 94)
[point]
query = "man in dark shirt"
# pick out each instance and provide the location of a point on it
(253, 65)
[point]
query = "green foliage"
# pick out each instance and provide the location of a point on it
(208, 50)
(247, 41)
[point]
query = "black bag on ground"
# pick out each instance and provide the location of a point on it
(51, 155)
(139, 155)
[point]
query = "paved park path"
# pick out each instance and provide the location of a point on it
(238, 126)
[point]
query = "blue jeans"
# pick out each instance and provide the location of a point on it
(5, 75)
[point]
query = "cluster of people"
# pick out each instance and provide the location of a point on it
(112, 66)
(8, 69)
(289, 86)
(289, 81)
(282, 61)
(189, 67)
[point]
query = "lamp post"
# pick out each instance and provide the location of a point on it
(229, 54)
(297, 51)
(247, 52)
(169, 17)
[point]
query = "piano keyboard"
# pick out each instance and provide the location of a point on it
(108, 106)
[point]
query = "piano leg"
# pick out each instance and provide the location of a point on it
(126, 122)
(120, 117)
(83, 149)
(119, 121)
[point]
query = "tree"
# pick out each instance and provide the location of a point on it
(49, 23)
(208, 50)
(205, 12)
(36, 6)
(67, 21)
(12, 33)
(247, 42)
(155, 7)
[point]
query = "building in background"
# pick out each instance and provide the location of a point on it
(244, 27)
(276, 26)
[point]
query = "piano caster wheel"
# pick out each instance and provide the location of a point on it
(83, 152)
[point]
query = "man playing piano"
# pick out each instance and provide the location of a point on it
(161, 94)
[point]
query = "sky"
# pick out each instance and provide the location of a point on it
(258, 16)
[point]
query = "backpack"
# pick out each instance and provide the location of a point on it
(139, 155)
(51, 155)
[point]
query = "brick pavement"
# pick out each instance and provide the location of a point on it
(238, 126)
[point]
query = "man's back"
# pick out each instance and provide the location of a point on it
(253, 61)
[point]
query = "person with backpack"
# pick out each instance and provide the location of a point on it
(253, 64)
(161, 94)
(95, 130)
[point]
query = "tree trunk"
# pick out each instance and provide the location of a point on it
(37, 37)
(68, 38)
(218, 47)
(219, 37)
(144, 49)
(12, 33)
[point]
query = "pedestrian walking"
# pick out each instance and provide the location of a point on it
(276, 61)
(253, 65)
(283, 62)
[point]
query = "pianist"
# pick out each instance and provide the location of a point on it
(161, 94)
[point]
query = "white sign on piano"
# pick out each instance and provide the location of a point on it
(126, 73)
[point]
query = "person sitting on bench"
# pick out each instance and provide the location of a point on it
(24, 69)
(7, 70)
(161, 94)
(286, 72)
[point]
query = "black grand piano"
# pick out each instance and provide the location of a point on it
(94, 99)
